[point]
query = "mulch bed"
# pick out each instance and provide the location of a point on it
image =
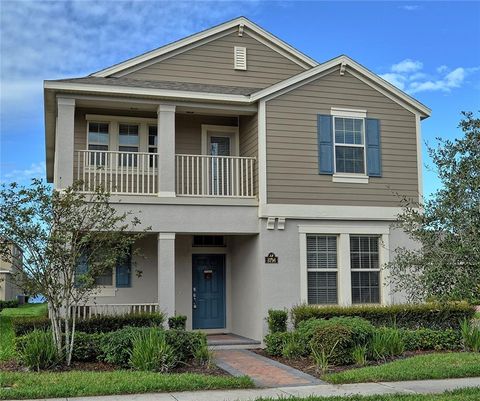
(306, 364)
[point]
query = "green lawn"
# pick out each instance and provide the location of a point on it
(429, 366)
(469, 394)
(20, 385)
(7, 350)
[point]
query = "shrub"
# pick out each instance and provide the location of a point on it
(8, 304)
(86, 347)
(185, 343)
(96, 324)
(275, 342)
(429, 315)
(386, 342)
(177, 322)
(37, 350)
(293, 348)
(332, 343)
(428, 339)
(277, 321)
(359, 355)
(150, 351)
(470, 336)
(203, 355)
(321, 357)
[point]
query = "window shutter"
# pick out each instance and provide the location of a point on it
(124, 273)
(374, 157)
(240, 58)
(325, 144)
(81, 269)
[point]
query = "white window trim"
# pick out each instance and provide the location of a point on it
(233, 134)
(344, 287)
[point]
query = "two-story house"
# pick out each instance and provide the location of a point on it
(268, 179)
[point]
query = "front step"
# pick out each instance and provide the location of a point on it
(231, 341)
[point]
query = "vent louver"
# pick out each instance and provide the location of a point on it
(240, 58)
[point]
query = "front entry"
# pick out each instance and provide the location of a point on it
(208, 291)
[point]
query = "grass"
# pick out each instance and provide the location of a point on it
(20, 385)
(7, 349)
(429, 366)
(467, 394)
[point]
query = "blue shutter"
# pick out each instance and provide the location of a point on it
(325, 144)
(374, 156)
(81, 269)
(124, 272)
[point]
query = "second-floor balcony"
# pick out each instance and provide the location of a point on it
(136, 173)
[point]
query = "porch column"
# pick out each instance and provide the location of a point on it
(166, 273)
(166, 150)
(344, 282)
(63, 165)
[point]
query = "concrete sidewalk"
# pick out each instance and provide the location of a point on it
(323, 390)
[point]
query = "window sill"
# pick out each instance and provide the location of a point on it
(350, 178)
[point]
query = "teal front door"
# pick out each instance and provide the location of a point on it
(208, 291)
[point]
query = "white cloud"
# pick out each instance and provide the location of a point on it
(23, 176)
(409, 76)
(409, 7)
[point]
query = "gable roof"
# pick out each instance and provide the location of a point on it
(345, 63)
(199, 38)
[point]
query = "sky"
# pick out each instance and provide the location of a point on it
(429, 49)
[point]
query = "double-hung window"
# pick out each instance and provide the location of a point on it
(322, 269)
(365, 269)
(98, 140)
(128, 141)
(152, 143)
(349, 137)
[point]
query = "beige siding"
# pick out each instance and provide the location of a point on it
(212, 63)
(292, 155)
(248, 133)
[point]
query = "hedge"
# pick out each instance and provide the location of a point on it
(8, 304)
(96, 324)
(429, 315)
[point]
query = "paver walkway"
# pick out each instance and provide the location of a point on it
(282, 393)
(263, 371)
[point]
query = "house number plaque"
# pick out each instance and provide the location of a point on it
(271, 258)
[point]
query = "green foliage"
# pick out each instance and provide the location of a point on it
(150, 351)
(185, 343)
(385, 343)
(87, 347)
(321, 355)
(277, 320)
(359, 355)
(96, 324)
(333, 344)
(275, 342)
(203, 355)
(410, 316)
(8, 304)
(293, 348)
(178, 322)
(447, 226)
(38, 350)
(471, 336)
(428, 339)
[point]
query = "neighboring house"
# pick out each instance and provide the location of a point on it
(268, 179)
(8, 288)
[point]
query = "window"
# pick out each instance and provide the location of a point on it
(349, 145)
(208, 240)
(105, 279)
(128, 141)
(98, 140)
(322, 269)
(365, 269)
(152, 143)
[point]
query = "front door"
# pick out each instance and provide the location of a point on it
(208, 291)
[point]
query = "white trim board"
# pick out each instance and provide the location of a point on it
(233, 133)
(273, 42)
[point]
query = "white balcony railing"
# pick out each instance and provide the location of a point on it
(215, 176)
(88, 311)
(118, 172)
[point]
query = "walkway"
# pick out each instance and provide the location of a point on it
(323, 390)
(263, 371)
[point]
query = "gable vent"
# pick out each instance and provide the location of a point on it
(240, 58)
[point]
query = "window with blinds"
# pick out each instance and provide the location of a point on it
(322, 269)
(365, 269)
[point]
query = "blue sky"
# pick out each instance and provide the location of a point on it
(429, 49)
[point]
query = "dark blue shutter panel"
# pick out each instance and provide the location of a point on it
(124, 272)
(81, 269)
(325, 144)
(374, 156)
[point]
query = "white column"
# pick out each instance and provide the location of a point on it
(63, 166)
(166, 150)
(386, 293)
(166, 273)
(344, 276)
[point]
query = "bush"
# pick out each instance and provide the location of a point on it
(150, 351)
(293, 348)
(275, 342)
(86, 347)
(332, 344)
(430, 315)
(386, 343)
(37, 350)
(428, 339)
(177, 322)
(277, 321)
(96, 324)
(470, 336)
(185, 343)
(8, 304)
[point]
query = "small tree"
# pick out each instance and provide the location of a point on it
(447, 226)
(68, 239)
